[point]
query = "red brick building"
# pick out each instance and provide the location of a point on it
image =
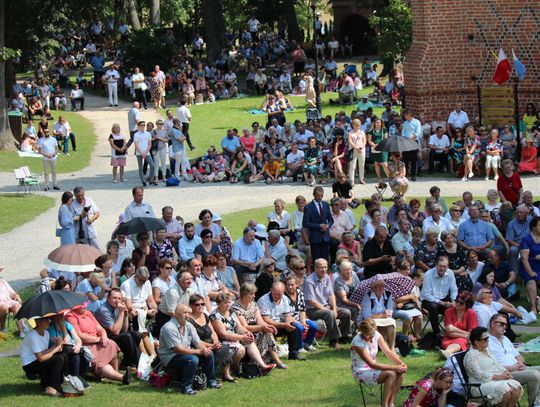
(454, 42)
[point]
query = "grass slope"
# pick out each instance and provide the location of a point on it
(17, 210)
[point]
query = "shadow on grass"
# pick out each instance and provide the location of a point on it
(23, 387)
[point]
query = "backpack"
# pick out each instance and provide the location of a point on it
(404, 344)
(74, 385)
(172, 182)
(429, 341)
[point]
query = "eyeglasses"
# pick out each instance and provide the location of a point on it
(484, 339)
(300, 268)
(204, 237)
(501, 323)
(168, 268)
(199, 304)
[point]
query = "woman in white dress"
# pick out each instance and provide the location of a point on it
(366, 369)
(481, 367)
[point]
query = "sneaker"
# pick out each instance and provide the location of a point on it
(533, 316)
(310, 348)
(189, 391)
(56, 188)
(486, 179)
(21, 335)
(3, 331)
(496, 177)
(214, 384)
(302, 350)
(471, 174)
(464, 179)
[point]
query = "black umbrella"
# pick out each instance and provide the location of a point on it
(397, 144)
(138, 225)
(50, 303)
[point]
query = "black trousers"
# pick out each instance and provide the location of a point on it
(320, 250)
(440, 156)
(128, 342)
(185, 132)
(77, 364)
(292, 341)
(139, 97)
(410, 159)
(334, 243)
(434, 309)
(161, 319)
(51, 372)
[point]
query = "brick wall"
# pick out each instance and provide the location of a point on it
(452, 47)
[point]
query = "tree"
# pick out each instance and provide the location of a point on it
(214, 27)
(293, 30)
(394, 32)
(155, 13)
(134, 15)
(7, 141)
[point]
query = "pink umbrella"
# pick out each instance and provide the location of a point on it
(73, 257)
(397, 284)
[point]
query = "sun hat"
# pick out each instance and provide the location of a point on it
(260, 231)
(216, 217)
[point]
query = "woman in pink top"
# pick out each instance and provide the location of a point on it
(357, 141)
(9, 302)
(349, 243)
(94, 337)
(248, 141)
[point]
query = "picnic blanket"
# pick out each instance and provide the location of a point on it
(529, 347)
(30, 154)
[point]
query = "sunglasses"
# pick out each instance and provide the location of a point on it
(204, 237)
(501, 323)
(168, 268)
(484, 339)
(199, 304)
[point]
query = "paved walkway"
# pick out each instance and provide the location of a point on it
(25, 247)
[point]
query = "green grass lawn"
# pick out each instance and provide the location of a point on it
(17, 210)
(86, 140)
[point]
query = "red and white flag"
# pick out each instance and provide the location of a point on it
(502, 73)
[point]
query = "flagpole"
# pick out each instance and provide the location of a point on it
(517, 118)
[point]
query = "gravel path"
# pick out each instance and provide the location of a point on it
(25, 247)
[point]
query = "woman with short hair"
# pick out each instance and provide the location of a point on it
(459, 321)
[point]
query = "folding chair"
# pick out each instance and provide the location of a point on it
(441, 321)
(25, 180)
(371, 390)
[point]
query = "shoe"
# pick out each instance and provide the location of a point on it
(471, 174)
(296, 357)
(114, 181)
(486, 179)
(302, 350)
(144, 184)
(154, 183)
(464, 179)
(214, 384)
(413, 178)
(192, 148)
(533, 316)
(538, 303)
(3, 331)
(267, 371)
(110, 105)
(496, 178)
(115, 105)
(334, 344)
(310, 348)
(128, 376)
(282, 366)
(21, 335)
(189, 392)
(443, 354)
(46, 189)
(229, 379)
(56, 188)
(362, 182)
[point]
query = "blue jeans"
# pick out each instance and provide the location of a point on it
(312, 330)
(185, 367)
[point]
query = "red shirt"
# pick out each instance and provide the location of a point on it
(510, 186)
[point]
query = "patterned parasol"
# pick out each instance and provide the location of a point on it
(397, 284)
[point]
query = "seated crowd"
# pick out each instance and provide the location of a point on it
(194, 296)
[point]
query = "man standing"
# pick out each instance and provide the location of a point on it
(321, 304)
(48, 148)
(178, 150)
(475, 234)
(439, 291)
(88, 213)
(317, 221)
(276, 310)
(248, 254)
(160, 75)
(113, 316)
(138, 208)
(112, 76)
(412, 129)
(182, 350)
(98, 64)
(134, 117)
(188, 243)
(184, 115)
(139, 86)
(508, 357)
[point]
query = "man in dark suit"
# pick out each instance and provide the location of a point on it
(317, 220)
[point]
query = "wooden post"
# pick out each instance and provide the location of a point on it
(517, 119)
(479, 98)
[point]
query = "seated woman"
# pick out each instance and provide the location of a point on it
(258, 164)
(145, 255)
(459, 321)
(378, 305)
(227, 275)
(366, 369)
(457, 261)
(283, 219)
(71, 342)
(342, 188)
(245, 308)
(49, 362)
(223, 353)
(529, 267)
(163, 281)
(408, 306)
(312, 159)
(104, 263)
(213, 286)
(207, 246)
(127, 270)
(427, 252)
(240, 170)
(231, 332)
(495, 381)
(94, 288)
(431, 392)
(397, 175)
(376, 220)
(10, 301)
(296, 297)
(338, 160)
(529, 158)
(344, 286)
(349, 243)
(94, 337)
(28, 144)
(163, 247)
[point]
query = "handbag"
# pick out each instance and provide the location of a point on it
(200, 381)
(172, 182)
(144, 367)
(58, 232)
(74, 385)
(249, 370)
(349, 155)
(409, 305)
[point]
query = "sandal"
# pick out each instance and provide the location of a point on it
(229, 379)
(282, 366)
(267, 370)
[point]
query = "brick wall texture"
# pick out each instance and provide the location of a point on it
(454, 42)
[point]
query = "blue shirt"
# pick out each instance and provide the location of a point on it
(437, 288)
(516, 230)
(176, 144)
(247, 252)
(186, 247)
(230, 143)
(84, 287)
(475, 233)
(106, 315)
(411, 127)
(98, 63)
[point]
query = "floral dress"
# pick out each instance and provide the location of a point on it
(469, 142)
(311, 160)
(163, 250)
(264, 340)
(431, 399)
(427, 256)
(360, 369)
(154, 89)
(394, 170)
(231, 323)
(457, 155)
(480, 367)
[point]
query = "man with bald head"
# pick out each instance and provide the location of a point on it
(182, 350)
(516, 230)
(277, 311)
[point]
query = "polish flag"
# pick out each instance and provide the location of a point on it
(502, 73)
